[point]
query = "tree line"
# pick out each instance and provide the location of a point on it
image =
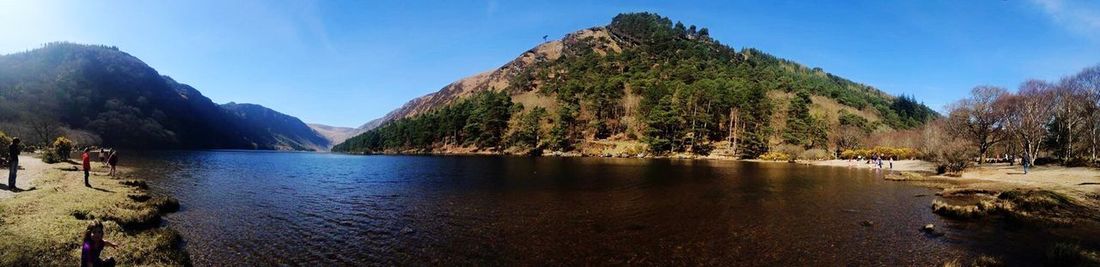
(1059, 120)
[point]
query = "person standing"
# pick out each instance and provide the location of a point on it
(87, 161)
(13, 166)
(113, 161)
(1026, 162)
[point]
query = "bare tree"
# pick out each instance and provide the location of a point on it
(979, 118)
(42, 129)
(1088, 82)
(1028, 114)
(1071, 109)
(848, 137)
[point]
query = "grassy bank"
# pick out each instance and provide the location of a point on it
(1064, 202)
(44, 226)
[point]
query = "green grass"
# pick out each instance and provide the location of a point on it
(43, 227)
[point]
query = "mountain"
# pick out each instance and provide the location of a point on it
(282, 131)
(641, 80)
(99, 95)
(334, 134)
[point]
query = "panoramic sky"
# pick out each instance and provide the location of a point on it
(346, 62)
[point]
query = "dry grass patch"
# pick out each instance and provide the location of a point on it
(44, 227)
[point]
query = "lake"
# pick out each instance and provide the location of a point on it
(264, 208)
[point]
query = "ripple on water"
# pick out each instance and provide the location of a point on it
(321, 209)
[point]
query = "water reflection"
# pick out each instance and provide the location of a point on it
(257, 208)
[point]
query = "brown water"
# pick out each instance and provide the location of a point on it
(262, 208)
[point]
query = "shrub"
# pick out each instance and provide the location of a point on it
(5, 141)
(1045, 161)
(1078, 162)
(792, 151)
(815, 154)
(954, 159)
(63, 146)
(58, 151)
(774, 155)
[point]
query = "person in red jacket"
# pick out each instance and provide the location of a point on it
(87, 160)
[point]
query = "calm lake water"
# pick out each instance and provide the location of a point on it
(263, 208)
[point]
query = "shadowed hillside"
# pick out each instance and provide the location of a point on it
(100, 95)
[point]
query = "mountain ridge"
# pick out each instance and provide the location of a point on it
(99, 95)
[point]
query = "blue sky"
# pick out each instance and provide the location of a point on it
(346, 62)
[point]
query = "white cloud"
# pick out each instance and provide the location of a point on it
(1081, 17)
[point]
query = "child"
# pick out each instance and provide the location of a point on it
(93, 247)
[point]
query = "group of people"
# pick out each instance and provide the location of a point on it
(875, 160)
(108, 159)
(93, 242)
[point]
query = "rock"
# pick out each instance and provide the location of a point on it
(867, 223)
(407, 230)
(930, 231)
(929, 228)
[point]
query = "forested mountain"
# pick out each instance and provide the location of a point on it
(642, 81)
(100, 95)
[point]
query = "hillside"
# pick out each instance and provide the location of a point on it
(640, 79)
(334, 134)
(100, 95)
(283, 131)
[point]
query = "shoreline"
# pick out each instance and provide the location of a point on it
(44, 224)
(1061, 202)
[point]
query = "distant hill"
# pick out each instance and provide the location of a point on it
(100, 95)
(283, 131)
(335, 135)
(641, 79)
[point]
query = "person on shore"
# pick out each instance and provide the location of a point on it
(113, 161)
(93, 246)
(1026, 162)
(86, 160)
(891, 163)
(103, 156)
(13, 165)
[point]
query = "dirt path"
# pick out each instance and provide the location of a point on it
(30, 169)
